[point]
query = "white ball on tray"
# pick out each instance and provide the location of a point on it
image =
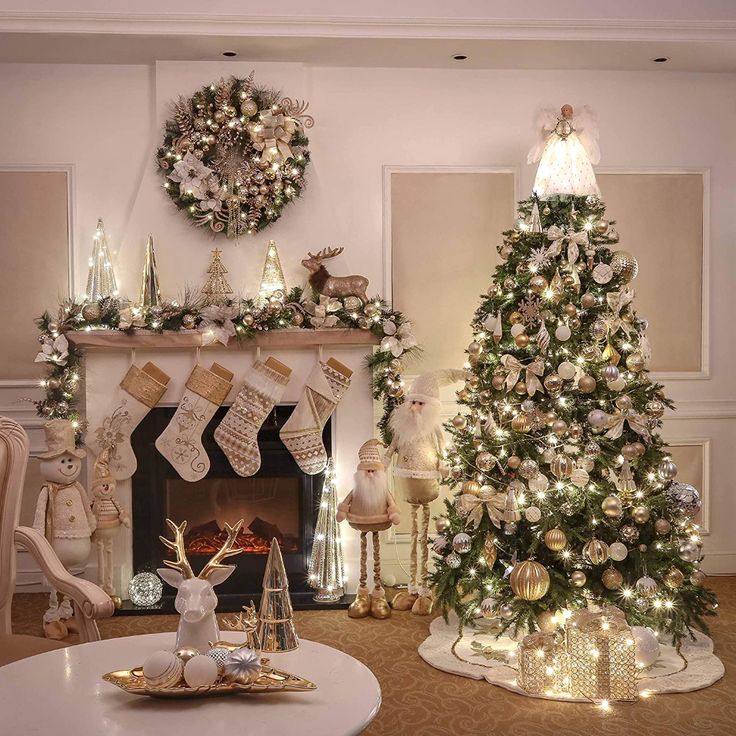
(162, 669)
(201, 671)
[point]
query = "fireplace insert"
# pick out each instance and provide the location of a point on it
(280, 502)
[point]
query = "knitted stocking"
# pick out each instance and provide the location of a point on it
(302, 433)
(181, 442)
(138, 393)
(237, 433)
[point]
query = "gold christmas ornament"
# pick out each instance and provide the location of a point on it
(635, 362)
(640, 514)
(520, 388)
(612, 579)
(555, 539)
(655, 408)
(596, 551)
(559, 427)
(471, 486)
(442, 524)
(498, 382)
(662, 526)
(629, 452)
(587, 384)
(475, 348)
(570, 310)
(459, 421)
(562, 466)
(674, 578)
(588, 301)
(529, 580)
(578, 578)
(538, 284)
(522, 340)
(601, 227)
(612, 506)
(490, 552)
(553, 383)
(521, 423)
(624, 265)
(667, 470)
(513, 462)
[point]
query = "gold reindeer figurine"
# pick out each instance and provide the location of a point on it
(324, 283)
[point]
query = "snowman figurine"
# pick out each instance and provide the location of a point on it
(63, 513)
(109, 515)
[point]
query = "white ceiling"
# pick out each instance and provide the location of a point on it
(697, 35)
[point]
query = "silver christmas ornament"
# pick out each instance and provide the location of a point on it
(689, 551)
(145, 589)
(453, 560)
(667, 470)
(684, 498)
(242, 666)
(220, 655)
(646, 586)
(461, 543)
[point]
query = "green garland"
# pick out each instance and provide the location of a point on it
(249, 319)
(234, 155)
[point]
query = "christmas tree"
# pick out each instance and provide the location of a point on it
(565, 492)
(150, 293)
(272, 280)
(216, 289)
(326, 571)
(101, 280)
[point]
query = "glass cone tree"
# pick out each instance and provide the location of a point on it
(565, 493)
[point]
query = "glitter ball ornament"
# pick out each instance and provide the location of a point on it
(684, 498)
(612, 506)
(145, 589)
(624, 265)
(635, 362)
(662, 526)
(689, 551)
(641, 604)
(612, 579)
(618, 551)
(629, 533)
(484, 461)
(528, 468)
(555, 539)
(592, 449)
(578, 578)
(220, 655)
(453, 560)
(646, 586)
(461, 543)
(667, 470)
(513, 462)
(442, 524)
(529, 580)
(640, 514)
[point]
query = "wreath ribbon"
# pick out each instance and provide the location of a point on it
(272, 135)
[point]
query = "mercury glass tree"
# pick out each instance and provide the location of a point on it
(101, 281)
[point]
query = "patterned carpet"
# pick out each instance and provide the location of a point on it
(420, 700)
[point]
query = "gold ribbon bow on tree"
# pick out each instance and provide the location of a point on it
(534, 371)
(574, 241)
(131, 317)
(616, 301)
(636, 422)
(473, 506)
(272, 135)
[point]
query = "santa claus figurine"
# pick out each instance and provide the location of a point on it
(418, 445)
(110, 516)
(63, 513)
(369, 507)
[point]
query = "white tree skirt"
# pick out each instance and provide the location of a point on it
(476, 653)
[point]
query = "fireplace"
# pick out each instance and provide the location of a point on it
(279, 501)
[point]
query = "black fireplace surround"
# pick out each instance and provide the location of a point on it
(150, 506)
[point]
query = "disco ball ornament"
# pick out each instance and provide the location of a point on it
(145, 589)
(618, 551)
(220, 655)
(689, 551)
(683, 497)
(624, 265)
(453, 560)
(462, 543)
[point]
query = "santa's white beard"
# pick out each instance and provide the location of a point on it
(410, 424)
(370, 491)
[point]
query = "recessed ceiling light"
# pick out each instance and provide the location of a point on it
(661, 59)
(229, 53)
(459, 57)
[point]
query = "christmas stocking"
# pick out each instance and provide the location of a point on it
(237, 433)
(302, 433)
(181, 442)
(138, 393)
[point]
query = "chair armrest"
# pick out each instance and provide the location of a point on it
(90, 600)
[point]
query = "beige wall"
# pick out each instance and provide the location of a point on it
(660, 220)
(34, 253)
(444, 230)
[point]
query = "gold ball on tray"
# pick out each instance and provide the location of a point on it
(555, 539)
(529, 580)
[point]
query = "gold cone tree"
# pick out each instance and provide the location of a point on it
(150, 293)
(216, 289)
(276, 629)
(272, 279)
(564, 491)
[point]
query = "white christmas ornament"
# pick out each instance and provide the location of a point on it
(517, 329)
(563, 333)
(647, 646)
(489, 323)
(162, 669)
(200, 671)
(533, 514)
(539, 483)
(617, 385)
(566, 370)
(618, 551)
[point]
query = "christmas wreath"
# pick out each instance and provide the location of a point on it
(234, 155)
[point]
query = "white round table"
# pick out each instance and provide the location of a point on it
(61, 693)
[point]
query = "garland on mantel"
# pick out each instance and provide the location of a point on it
(241, 319)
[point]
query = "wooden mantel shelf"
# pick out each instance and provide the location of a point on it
(149, 340)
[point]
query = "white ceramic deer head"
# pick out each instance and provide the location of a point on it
(195, 597)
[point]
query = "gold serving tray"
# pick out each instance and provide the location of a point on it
(269, 681)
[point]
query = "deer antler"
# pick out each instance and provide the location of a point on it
(326, 253)
(225, 551)
(177, 545)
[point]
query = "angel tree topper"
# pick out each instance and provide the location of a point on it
(566, 150)
(195, 598)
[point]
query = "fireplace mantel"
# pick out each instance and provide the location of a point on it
(148, 339)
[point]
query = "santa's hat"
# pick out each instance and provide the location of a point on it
(102, 468)
(369, 456)
(426, 388)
